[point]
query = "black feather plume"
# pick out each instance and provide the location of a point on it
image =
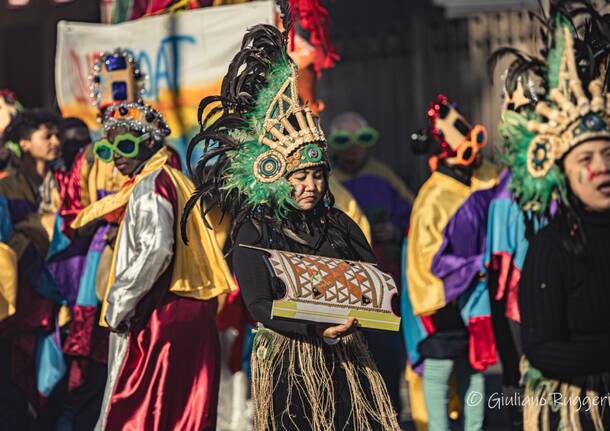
(220, 117)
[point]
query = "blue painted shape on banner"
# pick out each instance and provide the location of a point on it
(166, 65)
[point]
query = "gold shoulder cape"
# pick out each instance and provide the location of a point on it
(200, 270)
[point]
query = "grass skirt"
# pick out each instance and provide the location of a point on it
(550, 405)
(304, 384)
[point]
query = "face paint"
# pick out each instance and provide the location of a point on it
(581, 175)
(591, 174)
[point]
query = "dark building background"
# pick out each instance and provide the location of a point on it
(27, 45)
(395, 59)
(396, 56)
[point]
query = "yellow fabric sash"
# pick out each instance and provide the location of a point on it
(99, 176)
(436, 203)
(8, 281)
(199, 269)
(346, 203)
(118, 200)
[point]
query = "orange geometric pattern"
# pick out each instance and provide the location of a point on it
(332, 281)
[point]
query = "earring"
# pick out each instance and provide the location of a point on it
(327, 201)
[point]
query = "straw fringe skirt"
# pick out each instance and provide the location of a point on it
(304, 384)
(550, 405)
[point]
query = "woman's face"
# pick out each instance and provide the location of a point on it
(308, 185)
(587, 168)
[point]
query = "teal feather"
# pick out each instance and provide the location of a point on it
(556, 53)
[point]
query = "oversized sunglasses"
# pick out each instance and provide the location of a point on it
(126, 145)
(467, 151)
(365, 137)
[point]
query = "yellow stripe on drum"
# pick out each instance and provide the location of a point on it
(366, 319)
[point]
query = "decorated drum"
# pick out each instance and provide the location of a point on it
(329, 290)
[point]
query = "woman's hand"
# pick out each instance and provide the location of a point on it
(334, 332)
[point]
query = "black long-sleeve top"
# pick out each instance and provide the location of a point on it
(565, 303)
(255, 280)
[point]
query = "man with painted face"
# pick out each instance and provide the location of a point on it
(160, 303)
(28, 200)
(445, 308)
(386, 201)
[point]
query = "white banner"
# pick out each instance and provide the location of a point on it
(184, 56)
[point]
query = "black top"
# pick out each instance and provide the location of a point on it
(565, 303)
(254, 276)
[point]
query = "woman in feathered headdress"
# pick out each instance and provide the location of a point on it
(265, 166)
(558, 148)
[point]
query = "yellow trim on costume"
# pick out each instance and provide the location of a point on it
(437, 202)
(110, 280)
(111, 203)
(8, 281)
(486, 176)
(64, 315)
(373, 319)
(102, 176)
(84, 175)
(346, 203)
(379, 169)
(419, 412)
(199, 268)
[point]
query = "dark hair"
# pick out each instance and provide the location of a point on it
(70, 145)
(71, 123)
(568, 222)
(287, 234)
(27, 122)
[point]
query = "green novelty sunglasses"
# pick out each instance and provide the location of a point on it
(126, 145)
(365, 137)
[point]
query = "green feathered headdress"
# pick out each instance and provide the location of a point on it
(569, 107)
(240, 174)
(256, 132)
(532, 193)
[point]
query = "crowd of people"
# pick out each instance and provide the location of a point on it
(134, 285)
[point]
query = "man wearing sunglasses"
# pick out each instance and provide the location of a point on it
(382, 195)
(386, 201)
(160, 301)
(445, 309)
